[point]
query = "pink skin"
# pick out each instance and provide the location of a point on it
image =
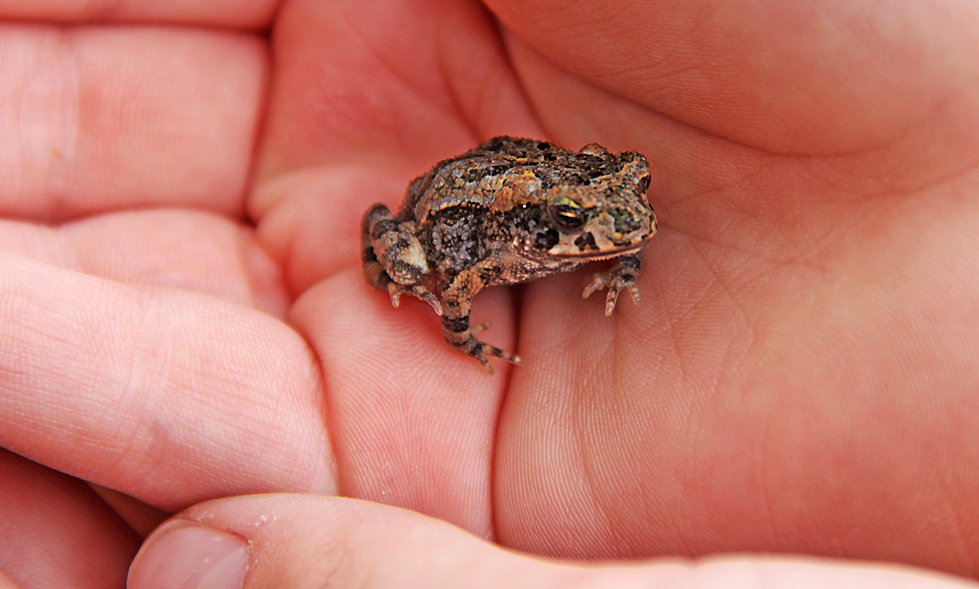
(184, 318)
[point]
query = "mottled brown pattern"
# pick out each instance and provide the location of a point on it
(510, 210)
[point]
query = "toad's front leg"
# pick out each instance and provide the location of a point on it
(456, 298)
(623, 275)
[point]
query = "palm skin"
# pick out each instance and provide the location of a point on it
(801, 373)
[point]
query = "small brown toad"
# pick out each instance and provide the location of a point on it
(509, 211)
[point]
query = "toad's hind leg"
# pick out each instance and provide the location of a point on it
(461, 336)
(456, 296)
(393, 258)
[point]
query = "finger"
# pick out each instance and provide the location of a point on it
(95, 119)
(139, 516)
(55, 532)
(305, 541)
(233, 13)
(312, 223)
(830, 77)
(167, 396)
(413, 421)
(182, 249)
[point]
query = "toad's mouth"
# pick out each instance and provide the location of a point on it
(575, 251)
(602, 244)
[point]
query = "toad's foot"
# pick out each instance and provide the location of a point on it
(415, 290)
(479, 350)
(621, 276)
(465, 341)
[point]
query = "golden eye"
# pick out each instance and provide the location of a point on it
(643, 185)
(567, 213)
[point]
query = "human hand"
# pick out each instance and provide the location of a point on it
(313, 541)
(797, 378)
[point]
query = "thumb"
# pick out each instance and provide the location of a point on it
(314, 541)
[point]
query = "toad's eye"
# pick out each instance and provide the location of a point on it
(567, 213)
(644, 185)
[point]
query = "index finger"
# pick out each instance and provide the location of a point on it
(100, 118)
(230, 13)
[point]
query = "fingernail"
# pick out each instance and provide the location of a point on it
(186, 555)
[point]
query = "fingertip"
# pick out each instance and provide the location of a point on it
(185, 554)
